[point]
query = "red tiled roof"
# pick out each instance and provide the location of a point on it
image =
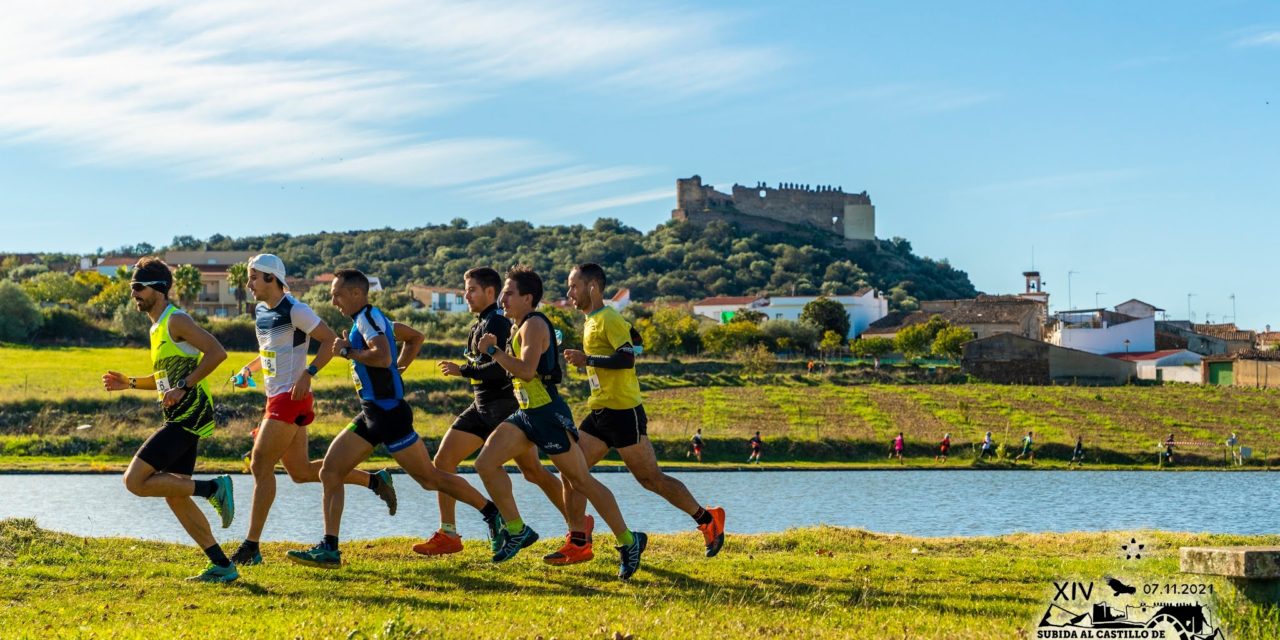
(726, 300)
(1145, 355)
(116, 262)
(622, 293)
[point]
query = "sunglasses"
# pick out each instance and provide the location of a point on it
(139, 285)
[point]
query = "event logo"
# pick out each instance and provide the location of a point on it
(1119, 609)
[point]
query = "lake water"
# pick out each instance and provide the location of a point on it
(925, 503)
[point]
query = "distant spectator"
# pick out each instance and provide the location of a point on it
(757, 447)
(1233, 448)
(1077, 455)
(696, 441)
(1027, 443)
(811, 366)
(899, 443)
(1168, 450)
(988, 447)
(944, 448)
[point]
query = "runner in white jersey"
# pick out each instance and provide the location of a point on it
(285, 329)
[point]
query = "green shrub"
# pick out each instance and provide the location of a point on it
(19, 316)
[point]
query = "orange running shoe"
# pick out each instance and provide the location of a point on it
(713, 532)
(440, 544)
(571, 553)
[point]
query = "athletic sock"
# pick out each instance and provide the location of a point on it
(626, 539)
(702, 517)
(250, 545)
(578, 538)
(515, 526)
(330, 543)
(489, 510)
(374, 482)
(205, 488)
(449, 529)
(217, 557)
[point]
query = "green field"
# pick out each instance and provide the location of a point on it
(839, 417)
(815, 583)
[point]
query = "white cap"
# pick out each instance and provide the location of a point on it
(268, 263)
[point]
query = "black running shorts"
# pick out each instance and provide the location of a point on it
(171, 449)
(391, 427)
(617, 428)
(481, 419)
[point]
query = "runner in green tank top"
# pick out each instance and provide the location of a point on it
(544, 421)
(182, 356)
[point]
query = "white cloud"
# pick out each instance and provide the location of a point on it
(1259, 39)
(1075, 180)
(327, 89)
(613, 202)
(568, 179)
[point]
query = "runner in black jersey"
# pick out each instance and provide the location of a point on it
(494, 401)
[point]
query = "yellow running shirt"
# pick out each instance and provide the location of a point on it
(605, 331)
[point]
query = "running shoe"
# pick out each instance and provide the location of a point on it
(571, 553)
(223, 500)
(513, 543)
(317, 556)
(713, 532)
(246, 556)
(440, 544)
(387, 490)
(631, 555)
(214, 573)
(496, 527)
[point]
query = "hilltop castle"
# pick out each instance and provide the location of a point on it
(847, 215)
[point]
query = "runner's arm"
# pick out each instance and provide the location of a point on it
(183, 328)
(412, 339)
(324, 335)
(490, 371)
(534, 338)
(623, 358)
(116, 381)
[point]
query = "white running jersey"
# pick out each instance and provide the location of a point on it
(283, 341)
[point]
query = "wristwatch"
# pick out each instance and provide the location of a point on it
(493, 348)
(312, 370)
(182, 384)
(345, 352)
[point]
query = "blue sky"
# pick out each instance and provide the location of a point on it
(1132, 143)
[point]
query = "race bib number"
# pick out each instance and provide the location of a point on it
(593, 379)
(355, 377)
(162, 382)
(268, 363)
(522, 397)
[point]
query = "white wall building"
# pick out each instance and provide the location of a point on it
(864, 307)
(1103, 332)
(721, 308)
(440, 299)
(1170, 365)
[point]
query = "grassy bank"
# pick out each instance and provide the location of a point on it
(847, 415)
(817, 583)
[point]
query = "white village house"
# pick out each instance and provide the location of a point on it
(864, 307)
(1100, 331)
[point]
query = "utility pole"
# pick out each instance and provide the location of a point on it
(1070, 305)
(1233, 307)
(1189, 296)
(1095, 298)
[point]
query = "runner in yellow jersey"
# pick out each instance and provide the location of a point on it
(543, 420)
(617, 419)
(182, 357)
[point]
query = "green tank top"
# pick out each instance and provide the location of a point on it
(172, 361)
(531, 394)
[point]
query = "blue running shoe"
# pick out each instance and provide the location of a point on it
(223, 500)
(511, 544)
(317, 556)
(214, 573)
(631, 555)
(386, 490)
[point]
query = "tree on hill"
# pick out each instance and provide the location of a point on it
(874, 348)
(19, 315)
(949, 342)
